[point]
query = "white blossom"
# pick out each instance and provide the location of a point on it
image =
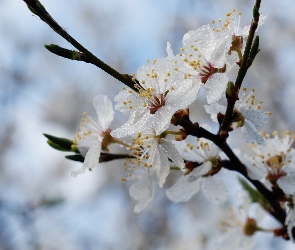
(248, 116)
(151, 165)
(240, 226)
(156, 152)
(205, 60)
(206, 154)
(91, 133)
(162, 90)
(274, 162)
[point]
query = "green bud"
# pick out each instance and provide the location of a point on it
(76, 157)
(35, 6)
(69, 54)
(62, 144)
(230, 88)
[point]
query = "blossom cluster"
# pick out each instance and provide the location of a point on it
(165, 86)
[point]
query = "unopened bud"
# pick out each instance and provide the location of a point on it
(223, 134)
(179, 115)
(182, 136)
(220, 117)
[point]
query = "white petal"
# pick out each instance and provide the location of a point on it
(172, 152)
(104, 110)
(142, 191)
(134, 125)
(91, 159)
(254, 172)
(214, 189)
(215, 87)
(169, 50)
(184, 189)
(160, 164)
(214, 109)
(162, 118)
(188, 185)
(287, 183)
(258, 118)
(250, 133)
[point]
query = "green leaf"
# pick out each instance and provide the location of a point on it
(58, 143)
(255, 195)
(56, 146)
(76, 157)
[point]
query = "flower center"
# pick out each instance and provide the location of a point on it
(208, 70)
(156, 102)
(275, 163)
(236, 45)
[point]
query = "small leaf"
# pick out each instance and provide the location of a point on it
(76, 157)
(58, 143)
(255, 195)
(56, 146)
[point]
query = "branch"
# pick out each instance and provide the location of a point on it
(231, 100)
(234, 164)
(37, 8)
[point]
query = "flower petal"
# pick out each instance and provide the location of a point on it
(142, 191)
(91, 158)
(172, 152)
(287, 183)
(134, 125)
(215, 87)
(104, 110)
(188, 185)
(250, 133)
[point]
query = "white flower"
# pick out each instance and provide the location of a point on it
(205, 60)
(206, 154)
(151, 165)
(239, 227)
(248, 116)
(274, 162)
(163, 90)
(91, 133)
(155, 152)
(210, 53)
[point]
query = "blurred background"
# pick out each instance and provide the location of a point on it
(41, 205)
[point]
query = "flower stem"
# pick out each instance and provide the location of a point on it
(231, 100)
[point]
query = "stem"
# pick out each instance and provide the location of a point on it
(45, 16)
(242, 71)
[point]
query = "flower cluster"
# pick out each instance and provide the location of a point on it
(160, 95)
(161, 88)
